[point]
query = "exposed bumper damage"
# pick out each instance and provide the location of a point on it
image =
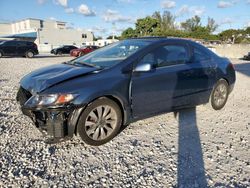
(56, 124)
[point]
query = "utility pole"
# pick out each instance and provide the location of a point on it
(113, 31)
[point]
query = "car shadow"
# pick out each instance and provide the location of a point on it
(243, 68)
(190, 170)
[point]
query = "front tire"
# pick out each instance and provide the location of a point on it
(219, 95)
(100, 122)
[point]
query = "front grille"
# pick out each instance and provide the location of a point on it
(23, 95)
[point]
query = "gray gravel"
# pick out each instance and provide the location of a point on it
(193, 148)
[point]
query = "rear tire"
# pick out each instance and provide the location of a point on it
(99, 122)
(1, 54)
(219, 95)
(29, 54)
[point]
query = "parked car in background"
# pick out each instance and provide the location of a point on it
(63, 50)
(96, 94)
(83, 50)
(18, 48)
(247, 57)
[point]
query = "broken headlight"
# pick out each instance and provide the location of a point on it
(50, 99)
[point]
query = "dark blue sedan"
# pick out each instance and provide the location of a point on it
(95, 95)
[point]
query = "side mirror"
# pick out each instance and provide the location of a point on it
(143, 68)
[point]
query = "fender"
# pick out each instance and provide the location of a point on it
(75, 115)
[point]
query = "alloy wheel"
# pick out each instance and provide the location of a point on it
(220, 95)
(101, 122)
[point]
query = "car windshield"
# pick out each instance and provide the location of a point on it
(112, 54)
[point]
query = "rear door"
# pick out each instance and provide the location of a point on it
(10, 48)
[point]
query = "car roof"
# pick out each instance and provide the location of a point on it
(160, 39)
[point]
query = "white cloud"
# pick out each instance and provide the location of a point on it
(248, 24)
(167, 4)
(183, 10)
(69, 10)
(193, 10)
(115, 16)
(197, 10)
(98, 29)
(226, 4)
(226, 21)
(63, 3)
(52, 18)
(84, 9)
(41, 1)
(124, 1)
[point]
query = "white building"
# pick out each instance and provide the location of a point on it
(102, 42)
(46, 34)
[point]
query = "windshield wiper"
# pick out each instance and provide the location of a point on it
(86, 64)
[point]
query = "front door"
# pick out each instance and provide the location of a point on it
(153, 91)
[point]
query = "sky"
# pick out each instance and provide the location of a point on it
(104, 17)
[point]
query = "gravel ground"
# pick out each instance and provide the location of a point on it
(194, 148)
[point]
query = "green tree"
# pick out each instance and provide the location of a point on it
(164, 25)
(166, 20)
(97, 38)
(228, 35)
(211, 25)
(248, 30)
(146, 26)
(111, 37)
(128, 33)
(191, 24)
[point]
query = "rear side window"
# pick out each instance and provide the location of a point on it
(200, 55)
(166, 56)
(176, 54)
(19, 43)
(11, 43)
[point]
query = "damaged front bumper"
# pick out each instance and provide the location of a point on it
(56, 123)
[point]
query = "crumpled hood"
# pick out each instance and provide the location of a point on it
(43, 78)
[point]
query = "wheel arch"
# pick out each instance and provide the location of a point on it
(29, 50)
(226, 79)
(77, 113)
